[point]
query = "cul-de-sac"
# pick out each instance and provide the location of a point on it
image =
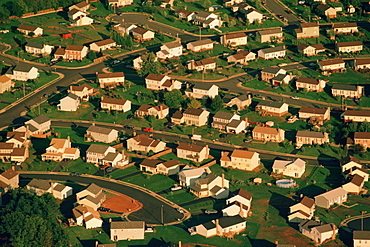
(184, 123)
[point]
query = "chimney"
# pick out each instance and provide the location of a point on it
(69, 138)
(301, 195)
(110, 220)
(179, 244)
(96, 243)
(241, 210)
(93, 124)
(13, 168)
(218, 228)
(276, 242)
(207, 151)
(223, 180)
(334, 228)
(52, 188)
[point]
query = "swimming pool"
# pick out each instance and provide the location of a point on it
(285, 183)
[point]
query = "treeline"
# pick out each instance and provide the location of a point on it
(30, 220)
(20, 7)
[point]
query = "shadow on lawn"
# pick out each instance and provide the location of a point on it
(261, 242)
(281, 203)
(311, 190)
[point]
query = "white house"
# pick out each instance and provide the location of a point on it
(127, 230)
(294, 168)
(222, 227)
(327, 199)
(189, 175)
(239, 203)
(253, 15)
(170, 50)
(23, 72)
(69, 103)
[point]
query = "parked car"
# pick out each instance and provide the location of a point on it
(129, 116)
(170, 125)
(294, 97)
(103, 209)
(176, 188)
(128, 127)
(223, 135)
(211, 211)
(180, 210)
(246, 149)
(75, 174)
(109, 169)
(148, 129)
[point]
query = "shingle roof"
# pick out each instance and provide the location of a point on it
(312, 134)
(201, 42)
(97, 148)
(308, 202)
(203, 86)
(324, 228)
(35, 45)
(344, 25)
(190, 147)
(4, 78)
(305, 109)
(155, 77)
(111, 75)
(344, 87)
(361, 135)
(26, 27)
(362, 235)
(272, 70)
(350, 43)
(242, 154)
(243, 193)
(74, 47)
(94, 189)
(9, 174)
(100, 130)
(151, 162)
(274, 104)
(308, 224)
(127, 225)
(39, 183)
(113, 101)
(348, 159)
(331, 194)
(223, 115)
(357, 113)
(265, 130)
(41, 119)
(194, 112)
(308, 80)
(105, 42)
(312, 24)
(230, 221)
(273, 49)
(23, 67)
(331, 61)
(236, 35)
(270, 31)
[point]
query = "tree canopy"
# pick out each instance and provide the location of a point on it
(30, 220)
(173, 99)
(149, 65)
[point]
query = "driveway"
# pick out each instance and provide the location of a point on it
(278, 9)
(152, 207)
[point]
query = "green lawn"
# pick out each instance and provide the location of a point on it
(80, 166)
(155, 183)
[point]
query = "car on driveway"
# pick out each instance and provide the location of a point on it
(211, 211)
(176, 188)
(148, 129)
(294, 97)
(77, 174)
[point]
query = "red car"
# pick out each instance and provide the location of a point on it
(148, 129)
(246, 149)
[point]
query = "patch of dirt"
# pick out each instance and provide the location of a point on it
(287, 235)
(122, 203)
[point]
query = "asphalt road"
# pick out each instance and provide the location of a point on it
(278, 9)
(151, 211)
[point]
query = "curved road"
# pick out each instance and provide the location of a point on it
(151, 211)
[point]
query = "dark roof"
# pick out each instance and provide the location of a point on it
(104, 42)
(203, 86)
(190, 147)
(357, 113)
(74, 47)
(325, 228)
(41, 119)
(361, 135)
(223, 115)
(93, 188)
(272, 70)
(26, 27)
(39, 183)
(171, 163)
(308, 224)
(270, 31)
(273, 49)
(151, 162)
(113, 101)
(344, 87)
(243, 193)
(35, 45)
(343, 25)
(236, 35)
(97, 148)
(155, 77)
(9, 174)
(349, 43)
(248, 11)
(230, 221)
(209, 225)
(308, 202)
(274, 104)
(312, 110)
(177, 115)
(312, 24)
(348, 159)
(201, 42)
(127, 225)
(23, 67)
(100, 130)
(308, 80)
(111, 75)
(331, 61)
(184, 11)
(72, 96)
(279, 77)
(139, 30)
(227, 98)
(357, 180)
(363, 235)
(362, 61)
(323, 7)
(195, 112)
(313, 134)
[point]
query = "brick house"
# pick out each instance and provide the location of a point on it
(267, 134)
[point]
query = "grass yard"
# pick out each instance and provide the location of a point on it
(80, 166)
(155, 183)
(179, 196)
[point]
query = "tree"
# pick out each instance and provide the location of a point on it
(357, 149)
(363, 127)
(207, 4)
(306, 11)
(91, 55)
(232, 23)
(20, 8)
(151, 119)
(193, 103)
(4, 15)
(149, 65)
(225, 18)
(127, 41)
(173, 99)
(217, 103)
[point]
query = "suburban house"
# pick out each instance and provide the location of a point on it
(303, 210)
(10, 152)
(141, 34)
(85, 215)
(269, 35)
(189, 175)
(160, 111)
(185, 14)
(307, 30)
(101, 134)
(241, 57)
(207, 20)
(119, 3)
(103, 45)
(352, 46)
(69, 103)
(272, 52)
(268, 73)
(362, 64)
(37, 48)
(143, 143)
(37, 125)
(115, 159)
(40, 187)
(362, 138)
(294, 168)
(240, 159)
(237, 126)
(327, 11)
(202, 65)
(354, 186)
(252, 15)
(223, 227)
(310, 50)
(83, 91)
(170, 50)
(161, 82)
(211, 185)
(317, 232)
(191, 116)
(124, 28)
(349, 163)
(345, 27)
(93, 196)
(335, 65)
(347, 91)
(60, 149)
(230, 3)
(23, 72)
(96, 153)
(200, 45)
(201, 90)
(310, 138)
(221, 119)
(9, 179)
(112, 104)
(234, 39)
(19, 139)
(37, 31)
(314, 113)
(72, 52)
(310, 84)
(361, 238)
(272, 108)
(192, 152)
(238, 203)
(81, 6)
(6, 83)
(356, 116)
(155, 166)
(79, 18)
(267, 134)
(240, 101)
(127, 230)
(109, 80)
(328, 199)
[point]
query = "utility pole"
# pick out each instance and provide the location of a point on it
(200, 33)
(162, 215)
(24, 90)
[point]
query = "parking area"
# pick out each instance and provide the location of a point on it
(122, 204)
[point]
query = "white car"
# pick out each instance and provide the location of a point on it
(295, 97)
(176, 188)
